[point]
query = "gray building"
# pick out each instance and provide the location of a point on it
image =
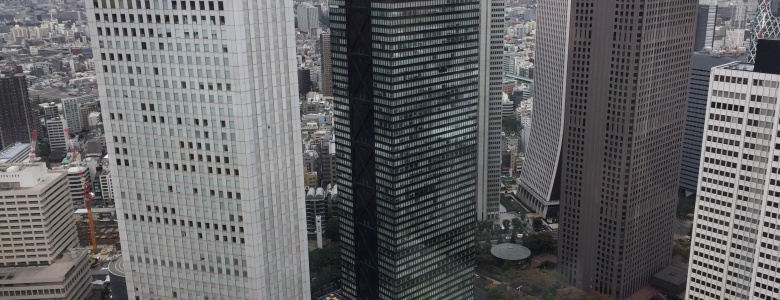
(326, 87)
(406, 98)
(308, 17)
(623, 135)
(694, 118)
(16, 119)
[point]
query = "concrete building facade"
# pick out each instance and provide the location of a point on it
(735, 247)
(623, 131)
(221, 147)
(40, 259)
(71, 111)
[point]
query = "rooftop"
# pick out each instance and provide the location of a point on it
(55, 272)
(510, 251)
(672, 275)
(12, 151)
(117, 267)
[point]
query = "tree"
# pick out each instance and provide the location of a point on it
(332, 229)
(538, 243)
(516, 223)
(537, 223)
(506, 225)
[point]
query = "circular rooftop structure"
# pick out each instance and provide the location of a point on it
(510, 251)
(116, 272)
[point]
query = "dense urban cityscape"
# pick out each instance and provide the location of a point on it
(366, 149)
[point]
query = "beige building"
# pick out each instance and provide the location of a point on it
(40, 258)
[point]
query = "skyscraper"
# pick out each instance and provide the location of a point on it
(694, 118)
(326, 87)
(705, 26)
(202, 121)
(16, 122)
(629, 69)
(308, 18)
(539, 186)
(491, 58)
(406, 100)
(735, 233)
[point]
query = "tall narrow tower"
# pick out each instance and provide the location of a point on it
(491, 57)
(539, 182)
(406, 101)
(16, 122)
(627, 86)
(202, 119)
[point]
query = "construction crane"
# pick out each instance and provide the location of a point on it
(33, 145)
(88, 197)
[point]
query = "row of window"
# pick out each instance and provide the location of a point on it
(147, 4)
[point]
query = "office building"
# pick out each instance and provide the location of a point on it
(315, 206)
(308, 18)
(705, 26)
(219, 211)
(694, 118)
(735, 236)
(326, 87)
(539, 183)
(85, 109)
(15, 153)
(491, 41)
(16, 121)
(44, 263)
(58, 141)
(72, 112)
(622, 141)
(51, 110)
(406, 101)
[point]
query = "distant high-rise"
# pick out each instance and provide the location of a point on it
(201, 114)
(16, 121)
(308, 18)
(406, 104)
(735, 229)
(694, 118)
(539, 186)
(58, 141)
(491, 52)
(72, 113)
(304, 81)
(326, 87)
(705, 26)
(626, 90)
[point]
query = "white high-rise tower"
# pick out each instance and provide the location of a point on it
(736, 229)
(201, 117)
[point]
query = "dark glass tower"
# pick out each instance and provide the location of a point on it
(405, 96)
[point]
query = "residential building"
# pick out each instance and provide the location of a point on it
(734, 245)
(326, 87)
(694, 118)
(16, 121)
(50, 110)
(55, 128)
(234, 134)
(315, 206)
(85, 109)
(308, 18)
(490, 81)
(405, 110)
(539, 183)
(72, 113)
(48, 264)
(623, 134)
(77, 177)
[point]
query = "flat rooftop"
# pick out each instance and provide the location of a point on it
(117, 267)
(741, 66)
(52, 273)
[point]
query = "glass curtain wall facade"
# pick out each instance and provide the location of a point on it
(405, 79)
